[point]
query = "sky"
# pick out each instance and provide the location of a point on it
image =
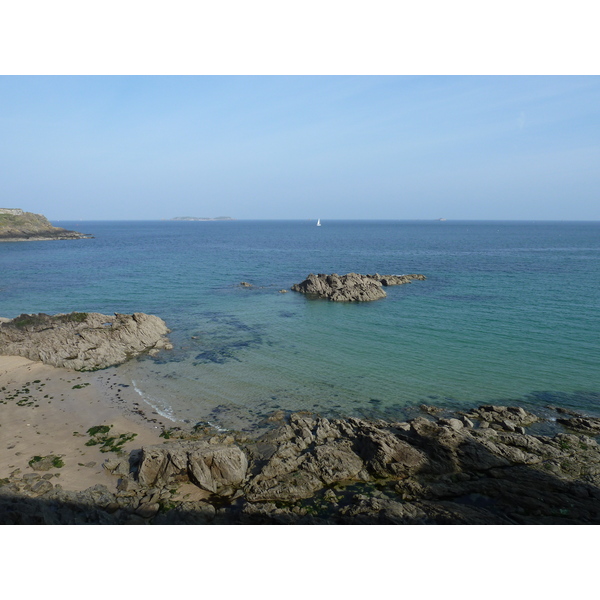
(301, 147)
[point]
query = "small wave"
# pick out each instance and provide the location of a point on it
(163, 412)
(217, 427)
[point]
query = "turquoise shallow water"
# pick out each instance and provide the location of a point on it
(510, 312)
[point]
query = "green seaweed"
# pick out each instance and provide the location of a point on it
(58, 462)
(99, 429)
(99, 436)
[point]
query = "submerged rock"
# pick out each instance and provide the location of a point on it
(387, 280)
(351, 287)
(507, 417)
(589, 425)
(83, 341)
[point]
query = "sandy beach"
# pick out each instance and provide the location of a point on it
(47, 411)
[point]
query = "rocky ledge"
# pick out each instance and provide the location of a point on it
(17, 225)
(82, 341)
(351, 287)
(488, 466)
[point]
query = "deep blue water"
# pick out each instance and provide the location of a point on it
(510, 311)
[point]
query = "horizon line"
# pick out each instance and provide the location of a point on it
(211, 220)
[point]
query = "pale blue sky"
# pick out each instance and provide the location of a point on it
(301, 147)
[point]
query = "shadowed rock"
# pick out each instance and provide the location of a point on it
(582, 424)
(312, 470)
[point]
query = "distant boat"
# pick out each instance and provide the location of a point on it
(318, 222)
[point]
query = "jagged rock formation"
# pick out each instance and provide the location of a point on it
(82, 341)
(351, 287)
(481, 467)
(589, 425)
(17, 225)
(214, 468)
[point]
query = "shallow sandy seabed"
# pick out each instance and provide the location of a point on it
(53, 418)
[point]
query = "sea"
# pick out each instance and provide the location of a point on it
(509, 313)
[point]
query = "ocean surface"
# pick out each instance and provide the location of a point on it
(509, 313)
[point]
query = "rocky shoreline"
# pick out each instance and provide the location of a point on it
(492, 465)
(64, 234)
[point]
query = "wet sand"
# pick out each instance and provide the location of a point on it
(47, 411)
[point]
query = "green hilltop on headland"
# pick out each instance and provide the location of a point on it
(16, 225)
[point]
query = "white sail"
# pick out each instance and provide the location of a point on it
(318, 222)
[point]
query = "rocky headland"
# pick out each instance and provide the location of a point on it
(352, 287)
(17, 225)
(82, 341)
(492, 465)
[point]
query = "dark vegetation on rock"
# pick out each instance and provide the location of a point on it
(82, 341)
(480, 467)
(352, 287)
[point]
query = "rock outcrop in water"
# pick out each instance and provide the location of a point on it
(481, 467)
(351, 287)
(82, 341)
(17, 225)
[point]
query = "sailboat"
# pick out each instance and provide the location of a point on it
(318, 222)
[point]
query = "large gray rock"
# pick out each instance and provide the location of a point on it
(212, 467)
(385, 454)
(315, 453)
(351, 287)
(334, 462)
(215, 468)
(163, 465)
(341, 288)
(507, 416)
(286, 487)
(83, 341)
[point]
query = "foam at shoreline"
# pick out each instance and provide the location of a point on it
(152, 402)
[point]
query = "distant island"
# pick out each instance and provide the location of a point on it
(201, 219)
(16, 225)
